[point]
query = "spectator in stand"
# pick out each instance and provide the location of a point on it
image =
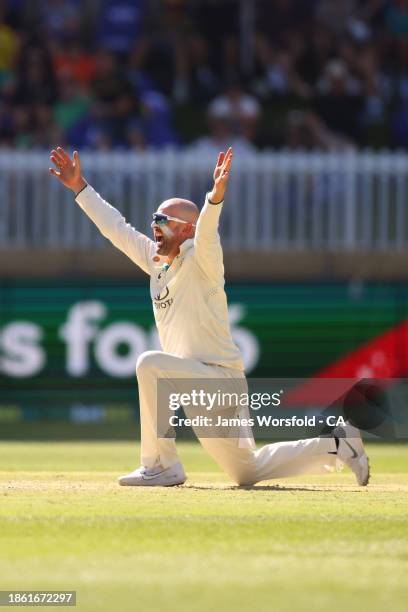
(400, 77)
(399, 127)
(60, 19)
(74, 60)
(72, 104)
(9, 44)
(232, 117)
(90, 132)
(160, 53)
(218, 24)
(306, 132)
(397, 18)
(204, 83)
(399, 56)
(197, 82)
(114, 97)
(396, 22)
(376, 86)
(277, 19)
(6, 125)
(23, 128)
(237, 108)
(316, 53)
(336, 15)
(15, 12)
(345, 63)
(157, 124)
(373, 13)
(34, 80)
(278, 73)
(136, 137)
(220, 134)
(339, 101)
(45, 132)
(120, 24)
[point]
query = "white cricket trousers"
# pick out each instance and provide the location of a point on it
(243, 464)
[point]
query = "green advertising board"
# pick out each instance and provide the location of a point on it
(72, 342)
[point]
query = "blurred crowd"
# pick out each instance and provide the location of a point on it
(149, 74)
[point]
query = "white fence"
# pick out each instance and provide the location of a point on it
(276, 201)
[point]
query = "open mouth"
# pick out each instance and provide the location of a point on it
(158, 238)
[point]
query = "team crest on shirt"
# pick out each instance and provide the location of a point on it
(162, 300)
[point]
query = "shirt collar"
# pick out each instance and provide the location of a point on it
(185, 246)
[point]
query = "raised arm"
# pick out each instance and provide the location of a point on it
(138, 247)
(208, 250)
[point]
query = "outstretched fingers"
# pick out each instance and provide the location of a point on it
(77, 161)
(229, 155)
(221, 158)
(228, 161)
(57, 158)
(62, 153)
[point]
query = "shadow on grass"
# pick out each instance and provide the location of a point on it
(272, 488)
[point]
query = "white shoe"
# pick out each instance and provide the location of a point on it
(351, 452)
(154, 477)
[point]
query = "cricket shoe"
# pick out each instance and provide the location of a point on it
(154, 477)
(351, 452)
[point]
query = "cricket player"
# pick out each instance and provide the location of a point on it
(185, 264)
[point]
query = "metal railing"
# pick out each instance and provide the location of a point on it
(276, 201)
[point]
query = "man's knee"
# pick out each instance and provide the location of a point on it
(147, 362)
(243, 479)
(238, 463)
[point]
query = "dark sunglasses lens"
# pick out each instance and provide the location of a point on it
(159, 219)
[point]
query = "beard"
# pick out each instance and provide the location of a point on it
(164, 242)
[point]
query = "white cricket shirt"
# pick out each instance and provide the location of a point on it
(189, 301)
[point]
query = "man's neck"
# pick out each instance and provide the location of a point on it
(170, 258)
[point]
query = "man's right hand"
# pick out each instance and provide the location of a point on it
(69, 170)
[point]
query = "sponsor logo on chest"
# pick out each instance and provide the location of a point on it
(162, 299)
(160, 292)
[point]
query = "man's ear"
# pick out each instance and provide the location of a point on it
(187, 229)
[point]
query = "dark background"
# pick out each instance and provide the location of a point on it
(142, 74)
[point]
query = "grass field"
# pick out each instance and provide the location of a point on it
(301, 544)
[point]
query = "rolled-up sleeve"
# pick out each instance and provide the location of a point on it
(138, 247)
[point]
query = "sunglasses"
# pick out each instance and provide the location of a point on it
(162, 219)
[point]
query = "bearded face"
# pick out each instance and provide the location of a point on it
(165, 238)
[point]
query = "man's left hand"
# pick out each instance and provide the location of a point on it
(221, 176)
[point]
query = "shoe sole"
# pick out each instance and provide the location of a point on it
(146, 483)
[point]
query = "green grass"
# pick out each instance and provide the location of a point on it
(303, 544)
